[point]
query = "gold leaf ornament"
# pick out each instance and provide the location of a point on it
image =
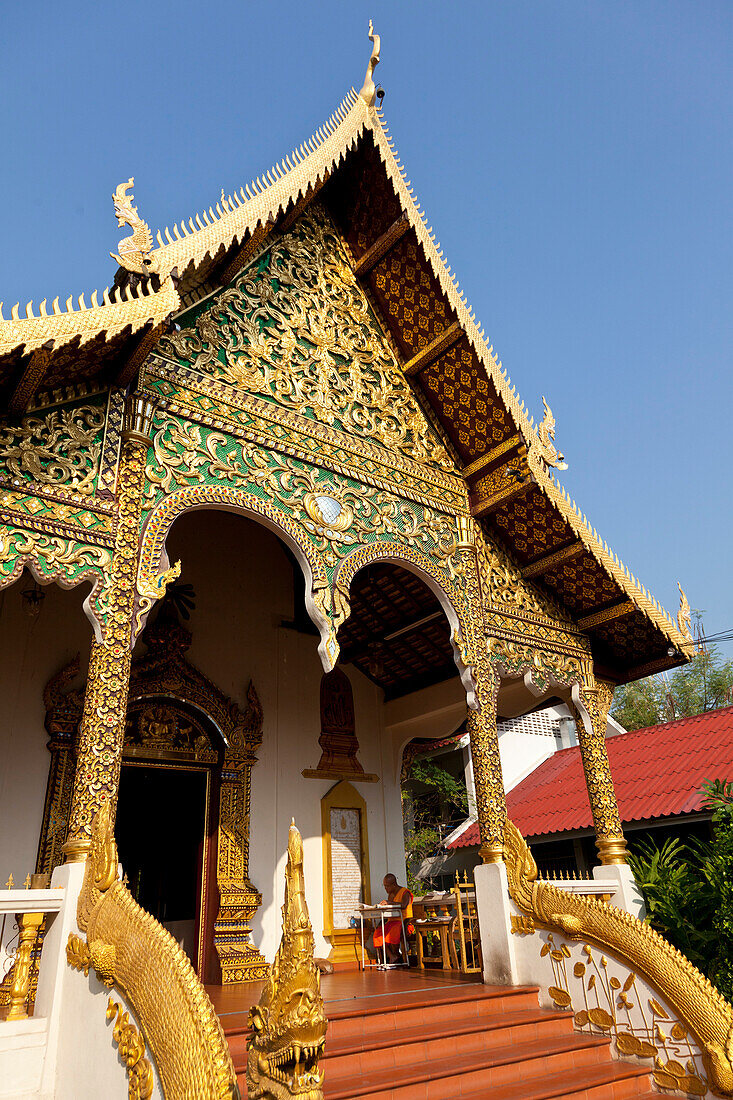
(560, 997)
(601, 1018)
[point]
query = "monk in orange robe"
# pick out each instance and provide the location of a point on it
(396, 895)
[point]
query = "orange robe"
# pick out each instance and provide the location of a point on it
(393, 927)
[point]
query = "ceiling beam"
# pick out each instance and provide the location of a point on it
(493, 456)
(382, 245)
(437, 347)
(550, 561)
(598, 618)
(31, 378)
(504, 483)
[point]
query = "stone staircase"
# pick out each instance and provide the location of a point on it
(469, 1041)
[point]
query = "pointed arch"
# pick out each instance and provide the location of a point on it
(448, 594)
(154, 558)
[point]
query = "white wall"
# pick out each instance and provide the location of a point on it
(31, 651)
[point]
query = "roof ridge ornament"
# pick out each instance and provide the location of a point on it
(134, 255)
(684, 616)
(369, 90)
(548, 452)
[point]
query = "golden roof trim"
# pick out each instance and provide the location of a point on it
(610, 562)
(525, 423)
(130, 307)
(266, 196)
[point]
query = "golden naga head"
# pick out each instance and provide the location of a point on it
(289, 1023)
(101, 870)
(548, 452)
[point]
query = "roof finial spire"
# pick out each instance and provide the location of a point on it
(684, 616)
(369, 91)
(548, 452)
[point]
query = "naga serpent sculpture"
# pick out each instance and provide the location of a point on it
(700, 1006)
(289, 1023)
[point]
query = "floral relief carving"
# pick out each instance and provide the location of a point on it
(296, 329)
(337, 513)
(607, 1001)
(59, 450)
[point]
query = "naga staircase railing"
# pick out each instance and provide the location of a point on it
(131, 951)
(620, 978)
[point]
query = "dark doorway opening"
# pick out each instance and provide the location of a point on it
(160, 831)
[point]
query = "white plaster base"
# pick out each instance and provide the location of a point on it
(22, 1049)
(494, 909)
(627, 894)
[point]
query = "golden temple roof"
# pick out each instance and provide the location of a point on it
(204, 254)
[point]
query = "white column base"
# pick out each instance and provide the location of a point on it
(494, 910)
(627, 894)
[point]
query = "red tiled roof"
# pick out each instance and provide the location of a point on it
(657, 772)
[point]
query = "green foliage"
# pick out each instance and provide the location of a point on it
(678, 902)
(688, 889)
(431, 796)
(705, 683)
(641, 704)
(443, 788)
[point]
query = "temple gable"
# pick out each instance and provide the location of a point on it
(295, 328)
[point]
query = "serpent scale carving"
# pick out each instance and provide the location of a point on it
(128, 948)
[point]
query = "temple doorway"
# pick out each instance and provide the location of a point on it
(161, 837)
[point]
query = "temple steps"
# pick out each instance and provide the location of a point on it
(471, 1041)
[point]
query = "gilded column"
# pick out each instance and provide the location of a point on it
(610, 840)
(481, 723)
(102, 729)
(488, 779)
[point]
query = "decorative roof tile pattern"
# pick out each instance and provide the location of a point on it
(657, 773)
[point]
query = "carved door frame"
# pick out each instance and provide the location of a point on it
(165, 675)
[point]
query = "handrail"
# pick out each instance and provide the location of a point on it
(31, 901)
(131, 950)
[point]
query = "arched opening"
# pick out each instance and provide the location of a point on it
(399, 637)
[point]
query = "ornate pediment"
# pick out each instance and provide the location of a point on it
(296, 329)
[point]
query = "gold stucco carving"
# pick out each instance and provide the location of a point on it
(131, 1046)
(684, 616)
(135, 250)
(701, 1010)
(187, 454)
(368, 90)
(547, 451)
(158, 728)
(58, 450)
(289, 1023)
(597, 697)
(125, 945)
(102, 730)
(297, 329)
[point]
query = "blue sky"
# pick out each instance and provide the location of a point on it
(574, 159)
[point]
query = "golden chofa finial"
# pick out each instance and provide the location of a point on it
(134, 255)
(548, 452)
(684, 616)
(369, 91)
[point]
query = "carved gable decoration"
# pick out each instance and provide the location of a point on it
(296, 329)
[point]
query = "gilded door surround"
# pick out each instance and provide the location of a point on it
(161, 680)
